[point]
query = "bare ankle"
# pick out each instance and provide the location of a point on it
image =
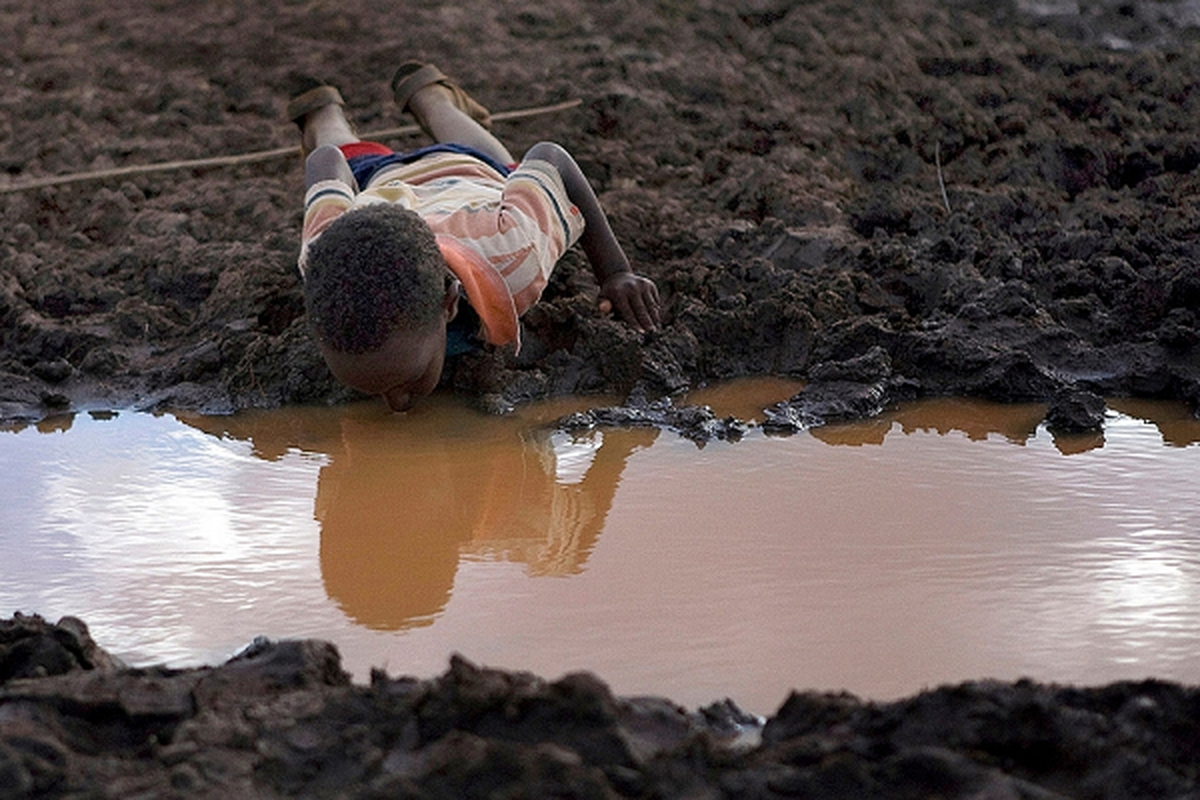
(327, 125)
(427, 98)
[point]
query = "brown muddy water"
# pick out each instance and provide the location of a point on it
(944, 541)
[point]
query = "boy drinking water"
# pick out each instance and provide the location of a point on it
(391, 240)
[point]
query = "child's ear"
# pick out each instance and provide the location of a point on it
(450, 301)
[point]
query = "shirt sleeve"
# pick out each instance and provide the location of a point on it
(536, 189)
(534, 201)
(324, 202)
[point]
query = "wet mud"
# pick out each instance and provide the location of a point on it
(283, 719)
(887, 200)
(994, 200)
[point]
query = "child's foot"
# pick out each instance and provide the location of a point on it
(315, 106)
(308, 94)
(413, 77)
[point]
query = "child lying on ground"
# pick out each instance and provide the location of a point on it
(391, 239)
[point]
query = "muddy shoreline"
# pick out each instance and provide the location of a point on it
(888, 201)
(283, 719)
(998, 201)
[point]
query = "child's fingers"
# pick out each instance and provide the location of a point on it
(642, 307)
(645, 311)
(638, 306)
(653, 305)
(634, 311)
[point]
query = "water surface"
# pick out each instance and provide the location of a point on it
(944, 541)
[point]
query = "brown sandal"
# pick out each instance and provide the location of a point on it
(313, 95)
(413, 76)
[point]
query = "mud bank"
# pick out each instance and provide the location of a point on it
(283, 718)
(998, 199)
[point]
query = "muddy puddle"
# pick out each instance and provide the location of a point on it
(942, 541)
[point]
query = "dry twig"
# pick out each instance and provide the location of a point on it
(937, 158)
(247, 158)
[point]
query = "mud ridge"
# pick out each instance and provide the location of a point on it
(283, 719)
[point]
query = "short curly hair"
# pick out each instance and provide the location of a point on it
(373, 271)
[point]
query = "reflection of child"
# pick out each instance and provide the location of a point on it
(394, 530)
(389, 238)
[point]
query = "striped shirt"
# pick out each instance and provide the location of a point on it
(507, 232)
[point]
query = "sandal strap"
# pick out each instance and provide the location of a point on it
(307, 102)
(411, 77)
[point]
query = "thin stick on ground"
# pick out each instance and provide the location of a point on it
(248, 158)
(937, 158)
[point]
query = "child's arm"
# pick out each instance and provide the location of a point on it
(634, 297)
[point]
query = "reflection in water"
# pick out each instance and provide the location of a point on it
(1017, 423)
(401, 499)
(1179, 428)
(967, 546)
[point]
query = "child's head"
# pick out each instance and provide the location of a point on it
(379, 295)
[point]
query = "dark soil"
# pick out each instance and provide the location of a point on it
(889, 200)
(283, 719)
(776, 167)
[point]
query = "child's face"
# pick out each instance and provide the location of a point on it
(406, 368)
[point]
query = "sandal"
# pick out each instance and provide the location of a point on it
(310, 95)
(413, 76)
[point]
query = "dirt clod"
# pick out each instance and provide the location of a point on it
(281, 719)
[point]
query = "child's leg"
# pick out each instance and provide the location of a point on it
(327, 125)
(434, 107)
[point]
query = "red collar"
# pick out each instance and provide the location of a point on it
(486, 291)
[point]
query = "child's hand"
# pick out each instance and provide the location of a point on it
(635, 298)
